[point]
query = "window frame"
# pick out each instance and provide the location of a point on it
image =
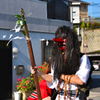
(45, 47)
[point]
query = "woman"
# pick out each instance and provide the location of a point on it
(68, 70)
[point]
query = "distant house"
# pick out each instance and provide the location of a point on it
(42, 24)
(84, 11)
(78, 12)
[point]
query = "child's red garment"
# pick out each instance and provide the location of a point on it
(33, 96)
(45, 91)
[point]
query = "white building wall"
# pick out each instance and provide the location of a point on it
(75, 14)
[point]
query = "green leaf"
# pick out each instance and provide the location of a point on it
(18, 16)
(18, 22)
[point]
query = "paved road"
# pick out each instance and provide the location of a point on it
(95, 86)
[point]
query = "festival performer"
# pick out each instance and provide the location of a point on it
(68, 69)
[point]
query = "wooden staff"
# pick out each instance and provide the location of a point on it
(32, 60)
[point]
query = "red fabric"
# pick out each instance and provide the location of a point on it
(58, 39)
(30, 98)
(45, 91)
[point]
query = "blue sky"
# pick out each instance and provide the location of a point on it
(94, 8)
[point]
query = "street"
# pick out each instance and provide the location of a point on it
(95, 86)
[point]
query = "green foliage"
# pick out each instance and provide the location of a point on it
(25, 84)
(97, 18)
(20, 20)
(19, 17)
(82, 25)
(89, 25)
(20, 24)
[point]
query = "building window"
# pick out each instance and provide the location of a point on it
(84, 8)
(46, 46)
(58, 9)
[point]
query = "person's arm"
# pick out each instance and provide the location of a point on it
(82, 75)
(47, 77)
(73, 79)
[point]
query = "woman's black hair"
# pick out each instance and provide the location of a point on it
(66, 62)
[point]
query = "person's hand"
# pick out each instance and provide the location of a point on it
(66, 78)
(33, 71)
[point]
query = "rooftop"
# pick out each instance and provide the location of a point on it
(83, 2)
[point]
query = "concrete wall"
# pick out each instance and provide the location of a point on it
(91, 38)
